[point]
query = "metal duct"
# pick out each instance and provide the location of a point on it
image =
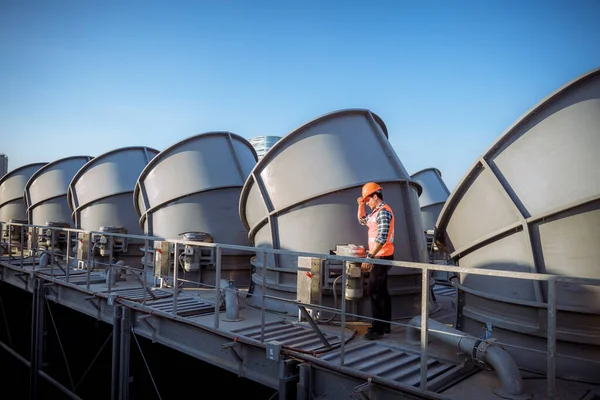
(435, 193)
(194, 187)
(46, 191)
(12, 185)
(100, 193)
(302, 197)
(531, 203)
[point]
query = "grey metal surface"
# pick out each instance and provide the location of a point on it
(186, 306)
(434, 195)
(46, 191)
(137, 294)
(302, 197)
(293, 336)
(101, 192)
(379, 359)
(531, 203)
(12, 185)
(194, 186)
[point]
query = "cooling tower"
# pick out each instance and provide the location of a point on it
(434, 195)
(12, 185)
(302, 197)
(191, 190)
(46, 191)
(100, 193)
(531, 203)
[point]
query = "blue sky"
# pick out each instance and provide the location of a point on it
(447, 77)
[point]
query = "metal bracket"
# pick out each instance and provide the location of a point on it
(145, 318)
(95, 304)
(20, 275)
(233, 348)
(313, 325)
(365, 387)
(50, 286)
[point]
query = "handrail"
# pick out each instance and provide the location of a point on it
(218, 248)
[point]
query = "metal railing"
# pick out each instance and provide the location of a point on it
(218, 248)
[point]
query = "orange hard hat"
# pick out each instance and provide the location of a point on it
(370, 188)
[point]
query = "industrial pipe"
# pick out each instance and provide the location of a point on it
(486, 353)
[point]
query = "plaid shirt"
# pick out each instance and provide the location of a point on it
(384, 218)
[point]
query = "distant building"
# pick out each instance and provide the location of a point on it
(262, 144)
(3, 165)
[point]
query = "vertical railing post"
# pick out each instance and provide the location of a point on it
(68, 250)
(90, 238)
(175, 276)
(218, 252)
(21, 246)
(424, 326)
(9, 250)
(551, 333)
(144, 272)
(343, 316)
(52, 248)
(262, 297)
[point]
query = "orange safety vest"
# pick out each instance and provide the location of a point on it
(388, 248)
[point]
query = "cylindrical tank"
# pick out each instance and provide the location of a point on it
(12, 203)
(194, 187)
(100, 193)
(531, 203)
(12, 185)
(435, 193)
(46, 191)
(302, 197)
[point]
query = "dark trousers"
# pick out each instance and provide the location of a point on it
(381, 304)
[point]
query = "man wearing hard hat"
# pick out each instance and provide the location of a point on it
(380, 222)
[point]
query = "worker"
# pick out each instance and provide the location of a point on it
(380, 222)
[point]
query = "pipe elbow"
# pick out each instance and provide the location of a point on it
(506, 369)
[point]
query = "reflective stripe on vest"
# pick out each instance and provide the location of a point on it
(388, 248)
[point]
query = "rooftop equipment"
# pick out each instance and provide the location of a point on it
(531, 203)
(190, 191)
(100, 197)
(302, 197)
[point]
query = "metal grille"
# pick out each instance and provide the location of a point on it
(80, 278)
(295, 337)
(137, 294)
(378, 359)
(186, 306)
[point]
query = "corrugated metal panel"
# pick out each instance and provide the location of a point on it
(137, 294)
(295, 337)
(186, 306)
(378, 359)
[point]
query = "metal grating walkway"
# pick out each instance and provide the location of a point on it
(137, 294)
(186, 306)
(377, 359)
(295, 337)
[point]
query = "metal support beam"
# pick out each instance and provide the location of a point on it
(288, 378)
(116, 356)
(120, 353)
(37, 337)
(124, 354)
(304, 386)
